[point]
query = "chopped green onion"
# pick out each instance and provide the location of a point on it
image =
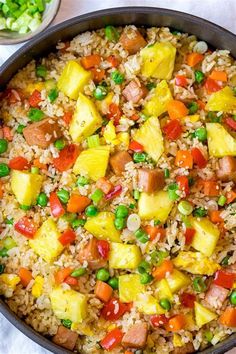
(225, 261)
(52, 95)
(2, 267)
(78, 272)
(145, 278)
(151, 85)
(82, 181)
(157, 222)
(93, 141)
(139, 157)
(132, 206)
(141, 236)
(199, 212)
(172, 189)
(63, 195)
(157, 257)
(20, 128)
(3, 252)
(208, 335)
(185, 207)
(35, 114)
(199, 284)
(222, 200)
(97, 195)
(41, 71)
(143, 267)
(136, 194)
(166, 173)
(34, 170)
(9, 221)
(66, 323)
(111, 33)
(25, 207)
(77, 223)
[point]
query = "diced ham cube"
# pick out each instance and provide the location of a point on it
(134, 91)
(118, 162)
(132, 40)
(216, 295)
(90, 254)
(136, 336)
(186, 349)
(227, 169)
(150, 181)
(65, 338)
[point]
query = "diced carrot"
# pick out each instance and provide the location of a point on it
(103, 291)
(35, 99)
(231, 196)
(98, 74)
(228, 317)
(161, 271)
(134, 117)
(201, 104)
(7, 133)
(176, 323)
(104, 184)
(184, 159)
(1, 189)
(90, 61)
(39, 164)
(25, 276)
(154, 231)
(71, 281)
(62, 274)
(77, 203)
(215, 216)
(194, 58)
(218, 75)
(211, 188)
(177, 109)
(67, 117)
(113, 61)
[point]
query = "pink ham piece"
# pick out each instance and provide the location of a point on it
(65, 338)
(216, 295)
(136, 336)
(134, 91)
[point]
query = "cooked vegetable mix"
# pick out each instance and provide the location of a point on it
(118, 191)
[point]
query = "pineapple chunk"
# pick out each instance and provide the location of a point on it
(148, 305)
(154, 206)
(103, 105)
(206, 235)
(30, 88)
(163, 290)
(69, 305)
(220, 142)
(222, 100)
(123, 256)
(130, 287)
(10, 280)
(158, 60)
(177, 341)
(82, 329)
(203, 315)
(37, 288)
(157, 103)
(193, 118)
(102, 227)
(86, 119)
(123, 138)
(93, 162)
(177, 280)
(73, 79)
(26, 186)
(195, 263)
(150, 136)
(109, 134)
(45, 242)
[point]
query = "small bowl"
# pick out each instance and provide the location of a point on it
(10, 37)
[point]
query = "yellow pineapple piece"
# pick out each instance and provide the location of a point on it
(103, 105)
(130, 287)
(26, 186)
(37, 287)
(195, 263)
(154, 206)
(124, 256)
(220, 142)
(203, 315)
(148, 305)
(223, 100)
(157, 103)
(177, 280)
(102, 227)
(162, 290)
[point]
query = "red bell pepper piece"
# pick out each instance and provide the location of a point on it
(189, 233)
(187, 300)
(67, 237)
(181, 80)
(67, 117)
(35, 99)
(212, 85)
(67, 158)
(114, 309)
(19, 163)
(231, 123)
(71, 281)
(224, 279)
(112, 339)
(114, 113)
(182, 182)
(56, 207)
(103, 248)
(25, 227)
(158, 320)
(198, 158)
(135, 146)
(173, 129)
(114, 192)
(113, 61)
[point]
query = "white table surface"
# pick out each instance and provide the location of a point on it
(221, 12)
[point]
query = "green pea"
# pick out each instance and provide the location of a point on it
(60, 144)
(42, 200)
(157, 257)
(102, 274)
(139, 157)
(78, 272)
(2, 267)
(100, 93)
(117, 77)
(77, 223)
(199, 284)
(120, 223)
(232, 297)
(132, 206)
(67, 323)
(4, 252)
(208, 335)
(63, 195)
(111, 33)
(192, 108)
(91, 210)
(35, 114)
(4, 170)
(97, 196)
(25, 207)
(142, 236)
(52, 95)
(144, 267)
(145, 278)
(41, 71)
(82, 181)
(20, 128)
(201, 134)
(3, 145)
(157, 222)
(114, 283)
(121, 211)
(199, 76)
(199, 212)
(165, 304)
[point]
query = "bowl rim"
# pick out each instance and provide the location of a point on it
(27, 330)
(25, 37)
